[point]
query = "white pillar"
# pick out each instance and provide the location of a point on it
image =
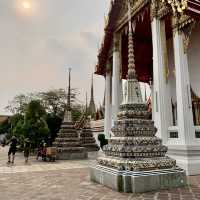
(159, 80)
(116, 93)
(186, 148)
(108, 105)
(184, 103)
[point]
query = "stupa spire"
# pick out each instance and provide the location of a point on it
(68, 114)
(131, 57)
(92, 109)
(69, 92)
(86, 104)
(133, 92)
(92, 90)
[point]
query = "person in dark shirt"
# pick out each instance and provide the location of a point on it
(12, 149)
(27, 147)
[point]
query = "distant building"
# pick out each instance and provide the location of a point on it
(4, 118)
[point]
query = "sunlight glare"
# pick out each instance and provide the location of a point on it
(26, 5)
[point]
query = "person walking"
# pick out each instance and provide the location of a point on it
(27, 148)
(40, 149)
(12, 149)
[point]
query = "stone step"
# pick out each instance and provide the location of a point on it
(86, 134)
(132, 151)
(127, 122)
(67, 139)
(71, 149)
(67, 144)
(88, 140)
(135, 140)
(68, 135)
(137, 164)
(69, 130)
(136, 133)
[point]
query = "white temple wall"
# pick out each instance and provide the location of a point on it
(194, 59)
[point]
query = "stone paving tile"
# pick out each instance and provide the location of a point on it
(69, 180)
(21, 167)
(74, 184)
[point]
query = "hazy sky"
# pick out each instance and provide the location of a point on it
(38, 44)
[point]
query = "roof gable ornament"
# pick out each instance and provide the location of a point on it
(178, 6)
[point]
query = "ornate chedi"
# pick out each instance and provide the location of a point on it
(135, 158)
(86, 135)
(68, 142)
(87, 139)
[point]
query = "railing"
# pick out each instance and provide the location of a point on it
(80, 124)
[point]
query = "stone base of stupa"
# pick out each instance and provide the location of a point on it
(72, 154)
(91, 147)
(138, 182)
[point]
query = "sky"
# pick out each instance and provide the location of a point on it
(40, 39)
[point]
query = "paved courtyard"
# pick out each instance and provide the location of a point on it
(69, 180)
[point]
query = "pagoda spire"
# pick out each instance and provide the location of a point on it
(69, 92)
(92, 109)
(92, 90)
(68, 114)
(133, 92)
(86, 104)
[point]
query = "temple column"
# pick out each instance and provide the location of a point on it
(108, 105)
(116, 93)
(184, 103)
(186, 148)
(159, 80)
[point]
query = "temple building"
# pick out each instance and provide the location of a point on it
(166, 38)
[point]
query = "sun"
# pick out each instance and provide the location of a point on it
(26, 4)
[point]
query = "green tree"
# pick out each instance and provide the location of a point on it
(53, 101)
(19, 131)
(19, 103)
(39, 115)
(35, 126)
(77, 111)
(54, 123)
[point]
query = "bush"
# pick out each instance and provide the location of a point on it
(103, 141)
